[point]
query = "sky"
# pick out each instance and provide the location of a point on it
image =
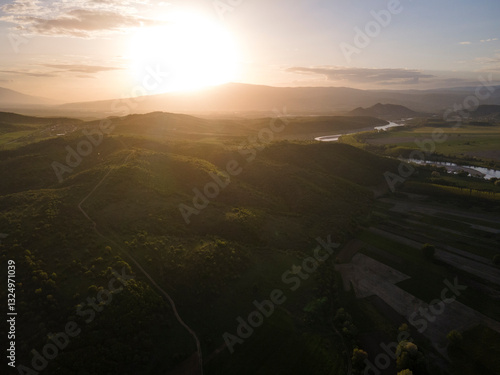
(82, 50)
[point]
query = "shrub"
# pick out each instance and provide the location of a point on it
(92, 289)
(454, 337)
(496, 259)
(358, 360)
(428, 251)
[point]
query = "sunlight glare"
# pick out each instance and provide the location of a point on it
(190, 49)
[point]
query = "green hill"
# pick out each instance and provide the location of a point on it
(133, 184)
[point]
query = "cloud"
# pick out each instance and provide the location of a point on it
(80, 18)
(89, 69)
(84, 23)
(365, 75)
(454, 80)
(22, 7)
(28, 73)
(482, 41)
(489, 64)
(488, 40)
(78, 70)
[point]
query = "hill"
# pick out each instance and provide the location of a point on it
(17, 119)
(26, 129)
(216, 216)
(387, 111)
(237, 239)
(21, 130)
(10, 98)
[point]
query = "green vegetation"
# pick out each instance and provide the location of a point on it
(235, 249)
(455, 338)
(470, 358)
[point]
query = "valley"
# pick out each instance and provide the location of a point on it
(119, 209)
(233, 187)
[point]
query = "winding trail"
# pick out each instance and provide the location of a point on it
(150, 278)
(347, 350)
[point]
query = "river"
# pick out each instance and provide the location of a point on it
(450, 167)
(453, 168)
(335, 137)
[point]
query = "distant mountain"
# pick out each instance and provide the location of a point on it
(244, 99)
(240, 100)
(384, 111)
(10, 99)
(233, 98)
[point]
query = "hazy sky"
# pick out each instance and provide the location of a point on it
(98, 49)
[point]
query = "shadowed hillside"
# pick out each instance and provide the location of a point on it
(260, 222)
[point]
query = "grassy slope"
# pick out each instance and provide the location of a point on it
(235, 250)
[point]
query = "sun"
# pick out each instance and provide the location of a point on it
(189, 51)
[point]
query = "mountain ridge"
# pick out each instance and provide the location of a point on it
(248, 100)
(241, 99)
(9, 97)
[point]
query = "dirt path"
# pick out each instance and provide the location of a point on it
(191, 367)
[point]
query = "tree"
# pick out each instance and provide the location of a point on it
(403, 328)
(496, 259)
(454, 337)
(92, 289)
(435, 174)
(358, 360)
(428, 251)
(412, 349)
(409, 357)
